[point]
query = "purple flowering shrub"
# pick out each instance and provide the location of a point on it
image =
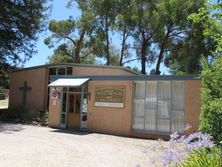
(177, 149)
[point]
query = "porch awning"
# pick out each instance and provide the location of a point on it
(68, 82)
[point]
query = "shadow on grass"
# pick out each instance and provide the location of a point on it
(70, 131)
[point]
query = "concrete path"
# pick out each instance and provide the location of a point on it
(31, 146)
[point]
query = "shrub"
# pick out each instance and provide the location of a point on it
(211, 109)
(204, 158)
(18, 113)
(43, 118)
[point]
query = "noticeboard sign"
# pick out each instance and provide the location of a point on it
(54, 93)
(109, 96)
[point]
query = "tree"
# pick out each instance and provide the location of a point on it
(124, 26)
(105, 12)
(179, 41)
(63, 54)
(143, 11)
(159, 30)
(74, 31)
(20, 22)
(211, 109)
(5, 70)
(62, 30)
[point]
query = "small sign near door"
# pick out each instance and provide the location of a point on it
(55, 93)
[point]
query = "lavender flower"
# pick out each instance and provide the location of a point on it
(187, 127)
(174, 136)
(176, 150)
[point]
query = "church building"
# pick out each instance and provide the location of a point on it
(108, 99)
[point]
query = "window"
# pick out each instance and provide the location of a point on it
(74, 103)
(78, 102)
(158, 106)
(69, 71)
(71, 103)
(60, 70)
(138, 121)
(52, 71)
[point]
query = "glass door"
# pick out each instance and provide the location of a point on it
(63, 116)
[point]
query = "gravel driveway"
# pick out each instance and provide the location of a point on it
(31, 146)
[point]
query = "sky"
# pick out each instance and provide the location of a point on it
(60, 12)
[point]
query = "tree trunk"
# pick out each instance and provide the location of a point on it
(160, 56)
(143, 53)
(123, 46)
(107, 41)
(157, 71)
(78, 48)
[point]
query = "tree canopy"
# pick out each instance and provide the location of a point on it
(151, 32)
(20, 23)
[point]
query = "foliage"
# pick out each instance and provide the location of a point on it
(74, 32)
(18, 113)
(24, 115)
(63, 30)
(5, 70)
(142, 18)
(210, 18)
(20, 22)
(175, 40)
(43, 118)
(105, 13)
(211, 115)
(63, 54)
(124, 26)
(204, 158)
(182, 44)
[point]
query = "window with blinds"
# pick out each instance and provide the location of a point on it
(158, 106)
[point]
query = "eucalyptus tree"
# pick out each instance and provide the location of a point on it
(104, 11)
(175, 35)
(63, 54)
(143, 11)
(124, 25)
(74, 31)
(66, 30)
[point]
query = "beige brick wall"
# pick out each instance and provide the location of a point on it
(36, 79)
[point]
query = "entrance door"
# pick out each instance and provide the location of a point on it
(73, 112)
(63, 115)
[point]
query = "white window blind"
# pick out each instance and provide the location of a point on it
(158, 106)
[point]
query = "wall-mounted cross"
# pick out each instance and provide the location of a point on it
(25, 89)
